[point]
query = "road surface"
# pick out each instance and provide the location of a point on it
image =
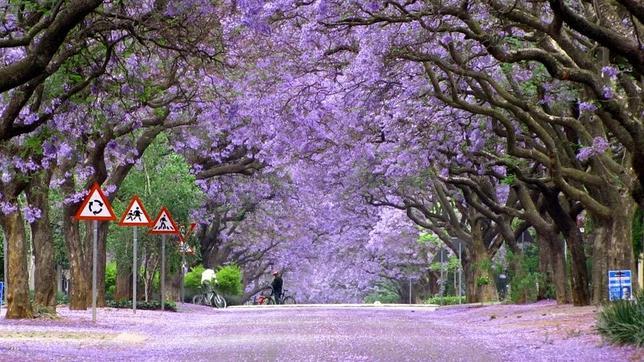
(285, 334)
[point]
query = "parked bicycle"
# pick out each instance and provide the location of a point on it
(208, 296)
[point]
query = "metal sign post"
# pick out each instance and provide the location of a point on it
(162, 271)
(95, 207)
(1, 295)
(134, 270)
(94, 263)
(163, 224)
(4, 249)
(460, 272)
(135, 215)
(183, 275)
(183, 249)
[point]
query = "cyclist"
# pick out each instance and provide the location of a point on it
(208, 280)
(277, 286)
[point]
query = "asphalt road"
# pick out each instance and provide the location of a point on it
(259, 334)
(537, 332)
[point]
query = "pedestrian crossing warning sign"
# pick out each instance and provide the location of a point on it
(164, 224)
(135, 214)
(96, 206)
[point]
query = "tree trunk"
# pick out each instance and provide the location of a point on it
(579, 270)
(479, 280)
(545, 262)
(101, 265)
(123, 281)
(613, 249)
(124, 273)
(566, 222)
(18, 305)
(80, 283)
(43, 242)
(559, 279)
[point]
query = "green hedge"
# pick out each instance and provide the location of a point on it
(622, 321)
(446, 300)
(229, 280)
(153, 305)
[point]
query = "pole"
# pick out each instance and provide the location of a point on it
(460, 271)
(442, 277)
(95, 260)
(4, 249)
(409, 290)
(162, 271)
(134, 272)
(183, 274)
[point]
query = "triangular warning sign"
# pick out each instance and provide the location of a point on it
(135, 214)
(164, 224)
(96, 206)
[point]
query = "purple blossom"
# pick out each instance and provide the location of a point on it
(607, 92)
(610, 72)
(587, 107)
(7, 207)
(31, 214)
(75, 197)
(599, 146)
(109, 189)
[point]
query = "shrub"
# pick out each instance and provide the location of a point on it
(152, 305)
(446, 300)
(385, 292)
(61, 298)
(110, 279)
(622, 322)
(229, 280)
(192, 279)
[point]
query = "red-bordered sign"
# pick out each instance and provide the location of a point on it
(135, 214)
(185, 237)
(96, 206)
(164, 224)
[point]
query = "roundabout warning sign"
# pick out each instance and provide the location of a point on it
(96, 206)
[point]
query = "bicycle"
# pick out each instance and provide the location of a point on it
(209, 297)
(283, 299)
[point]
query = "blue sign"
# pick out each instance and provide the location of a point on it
(619, 285)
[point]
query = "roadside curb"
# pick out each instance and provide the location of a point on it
(423, 307)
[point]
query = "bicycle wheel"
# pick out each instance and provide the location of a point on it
(219, 301)
(289, 300)
(197, 299)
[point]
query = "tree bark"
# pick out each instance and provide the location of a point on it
(567, 225)
(555, 246)
(123, 281)
(43, 242)
(124, 273)
(481, 286)
(79, 291)
(613, 248)
(18, 305)
(545, 263)
(101, 265)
